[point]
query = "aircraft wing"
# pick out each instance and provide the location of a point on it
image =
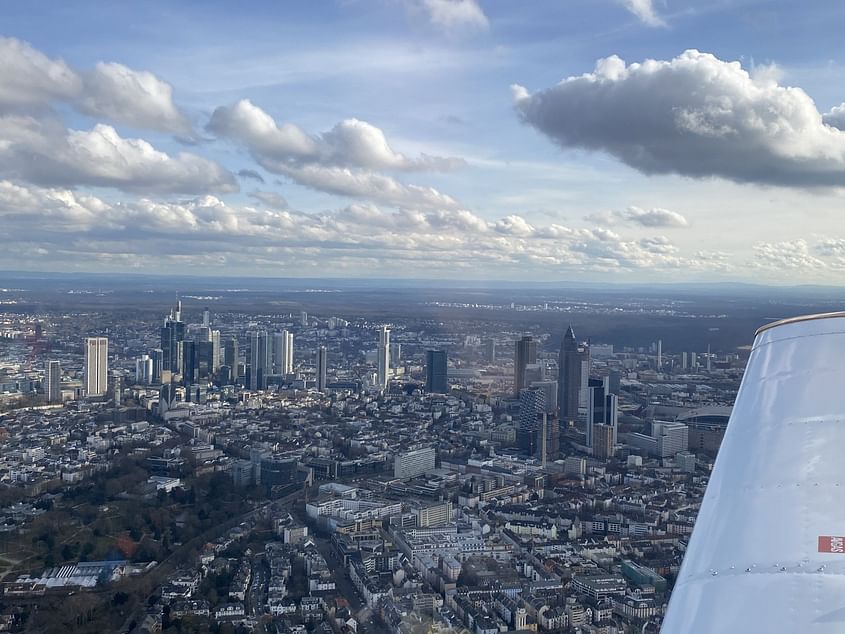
(767, 553)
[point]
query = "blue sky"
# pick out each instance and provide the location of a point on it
(426, 138)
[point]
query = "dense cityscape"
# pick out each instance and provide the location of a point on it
(210, 470)
(422, 317)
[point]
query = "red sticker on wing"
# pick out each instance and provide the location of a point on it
(831, 544)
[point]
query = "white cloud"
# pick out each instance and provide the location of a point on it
(123, 95)
(791, 255)
(135, 98)
(44, 152)
(30, 78)
(655, 217)
(694, 115)
(74, 226)
(342, 161)
(350, 143)
(456, 14)
(645, 12)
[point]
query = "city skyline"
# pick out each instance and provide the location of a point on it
(280, 156)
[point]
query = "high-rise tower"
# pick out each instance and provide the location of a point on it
(322, 368)
(436, 372)
(570, 371)
(259, 360)
(96, 366)
(383, 357)
(52, 382)
(172, 334)
(525, 353)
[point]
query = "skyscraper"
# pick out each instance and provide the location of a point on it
(144, 370)
(322, 368)
(436, 372)
(602, 409)
(384, 357)
(490, 351)
(525, 353)
(157, 357)
(96, 366)
(172, 333)
(52, 382)
(230, 357)
(206, 317)
(532, 407)
(259, 360)
(570, 371)
(188, 354)
(395, 355)
(283, 352)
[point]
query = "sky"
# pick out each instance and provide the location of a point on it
(560, 140)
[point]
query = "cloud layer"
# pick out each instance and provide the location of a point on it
(345, 160)
(75, 225)
(694, 115)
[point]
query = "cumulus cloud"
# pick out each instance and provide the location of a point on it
(114, 91)
(42, 151)
(835, 117)
(455, 14)
(655, 217)
(787, 255)
(30, 78)
(694, 115)
(36, 146)
(135, 98)
(645, 12)
(342, 161)
(350, 143)
(79, 226)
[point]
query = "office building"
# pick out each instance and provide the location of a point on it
(303, 319)
(172, 333)
(666, 439)
(215, 351)
(602, 409)
(259, 360)
(230, 358)
(671, 438)
(436, 372)
(434, 515)
(410, 464)
(96, 366)
(322, 368)
(206, 317)
(604, 446)
(570, 376)
(144, 370)
(525, 353)
(395, 355)
(283, 353)
(53, 382)
(383, 357)
(157, 357)
(532, 407)
(550, 393)
(490, 351)
(188, 361)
